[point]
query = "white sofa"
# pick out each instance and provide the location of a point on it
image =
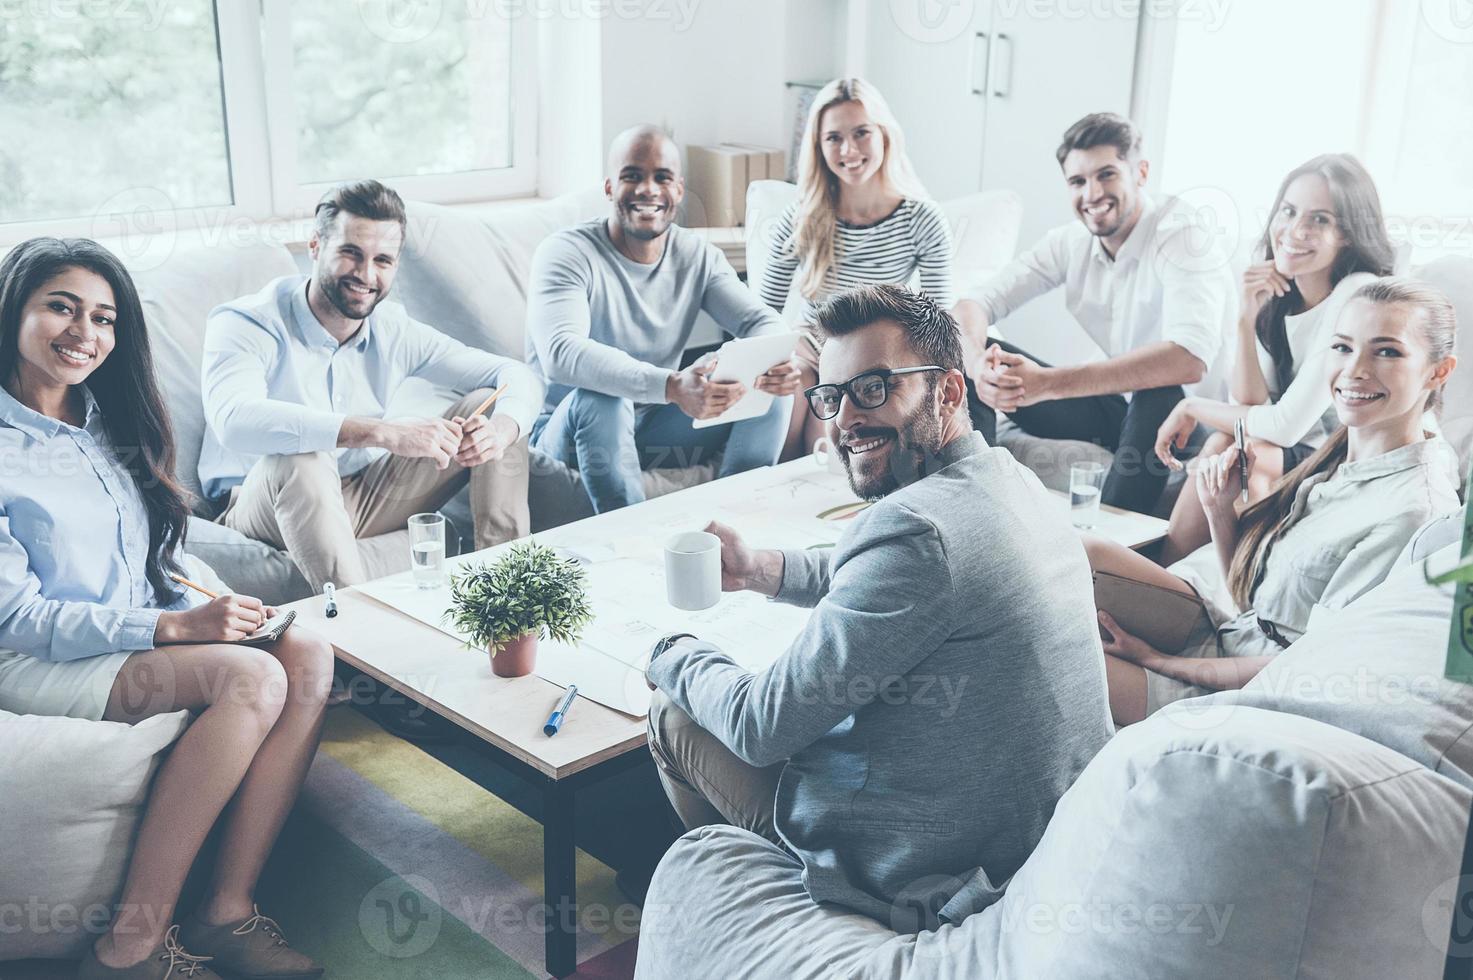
(464, 271)
(1309, 826)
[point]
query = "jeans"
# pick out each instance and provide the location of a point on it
(1126, 428)
(611, 443)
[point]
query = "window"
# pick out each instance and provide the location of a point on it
(85, 129)
(183, 111)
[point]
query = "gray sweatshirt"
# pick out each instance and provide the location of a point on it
(946, 691)
(598, 320)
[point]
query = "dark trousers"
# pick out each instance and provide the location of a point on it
(1126, 428)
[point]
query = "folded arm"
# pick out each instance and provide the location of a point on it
(57, 630)
(237, 361)
(559, 327)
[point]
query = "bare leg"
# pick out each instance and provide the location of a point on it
(260, 716)
(1107, 556)
(270, 787)
(1188, 530)
(1127, 684)
(241, 691)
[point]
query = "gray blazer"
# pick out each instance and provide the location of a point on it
(947, 690)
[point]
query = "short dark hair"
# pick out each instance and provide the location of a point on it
(932, 332)
(364, 199)
(1102, 129)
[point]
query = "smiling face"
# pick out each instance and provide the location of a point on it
(67, 329)
(1304, 232)
(1104, 189)
(882, 448)
(355, 262)
(853, 146)
(1380, 371)
(646, 186)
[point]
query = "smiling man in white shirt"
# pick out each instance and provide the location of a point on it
(297, 381)
(1149, 285)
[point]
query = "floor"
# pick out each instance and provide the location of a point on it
(393, 865)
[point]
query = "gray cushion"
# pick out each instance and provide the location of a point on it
(1260, 845)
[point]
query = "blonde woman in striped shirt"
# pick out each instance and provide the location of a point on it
(861, 217)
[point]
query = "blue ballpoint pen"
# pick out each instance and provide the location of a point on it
(555, 720)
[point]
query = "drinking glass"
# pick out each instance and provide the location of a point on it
(427, 550)
(1086, 481)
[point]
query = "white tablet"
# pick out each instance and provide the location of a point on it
(746, 360)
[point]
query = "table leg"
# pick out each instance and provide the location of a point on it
(559, 878)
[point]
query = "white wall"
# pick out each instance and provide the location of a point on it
(718, 75)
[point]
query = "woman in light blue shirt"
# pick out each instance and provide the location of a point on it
(93, 624)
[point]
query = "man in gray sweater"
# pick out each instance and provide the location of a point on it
(910, 746)
(612, 306)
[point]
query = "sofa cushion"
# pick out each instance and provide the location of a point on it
(465, 272)
(78, 790)
(1237, 850)
(1376, 668)
(177, 297)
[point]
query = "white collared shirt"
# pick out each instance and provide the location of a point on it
(1170, 282)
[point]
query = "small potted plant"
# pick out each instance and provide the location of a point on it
(507, 604)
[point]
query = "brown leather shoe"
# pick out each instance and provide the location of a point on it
(251, 949)
(168, 961)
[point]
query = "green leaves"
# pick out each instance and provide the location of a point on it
(530, 589)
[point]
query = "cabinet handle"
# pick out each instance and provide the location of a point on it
(1006, 69)
(981, 62)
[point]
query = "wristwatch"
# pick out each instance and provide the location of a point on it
(666, 642)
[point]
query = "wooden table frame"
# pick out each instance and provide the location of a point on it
(620, 745)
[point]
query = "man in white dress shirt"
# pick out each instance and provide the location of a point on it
(1149, 285)
(297, 380)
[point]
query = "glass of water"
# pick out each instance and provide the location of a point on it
(1086, 481)
(427, 550)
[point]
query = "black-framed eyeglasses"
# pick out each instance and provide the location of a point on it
(867, 390)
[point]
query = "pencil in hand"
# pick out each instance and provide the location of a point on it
(490, 399)
(195, 586)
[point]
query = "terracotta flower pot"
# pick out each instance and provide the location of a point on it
(517, 658)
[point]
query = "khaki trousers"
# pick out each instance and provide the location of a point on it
(300, 503)
(705, 781)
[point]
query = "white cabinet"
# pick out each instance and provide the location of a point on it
(984, 90)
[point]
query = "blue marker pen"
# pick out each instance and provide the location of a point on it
(555, 721)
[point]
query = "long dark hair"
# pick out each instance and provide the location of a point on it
(124, 386)
(1367, 247)
(1262, 524)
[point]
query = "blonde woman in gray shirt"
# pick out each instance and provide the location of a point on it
(1328, 532)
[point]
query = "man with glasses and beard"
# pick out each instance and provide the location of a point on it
(911, 744)
(612, 305)
(296, 382)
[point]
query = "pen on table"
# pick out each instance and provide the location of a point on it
(1240, 439)
(329, 591)
(555, 720)
(487, 403)
(196, 587)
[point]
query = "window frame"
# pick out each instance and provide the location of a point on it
(291, 195)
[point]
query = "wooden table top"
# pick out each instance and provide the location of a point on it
(433, 669)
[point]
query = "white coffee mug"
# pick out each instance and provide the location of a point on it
(693, 570)
(827, 456)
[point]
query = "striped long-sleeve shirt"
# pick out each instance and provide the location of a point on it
(914, 237)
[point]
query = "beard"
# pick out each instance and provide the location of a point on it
(347, 304)
(632, 228)
(917, 441)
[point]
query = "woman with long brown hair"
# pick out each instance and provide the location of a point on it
(1328, 531)
(94, 624)
(1325, 239)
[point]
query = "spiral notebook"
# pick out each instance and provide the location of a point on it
(272, 630)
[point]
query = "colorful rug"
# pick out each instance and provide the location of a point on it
(393, 865)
